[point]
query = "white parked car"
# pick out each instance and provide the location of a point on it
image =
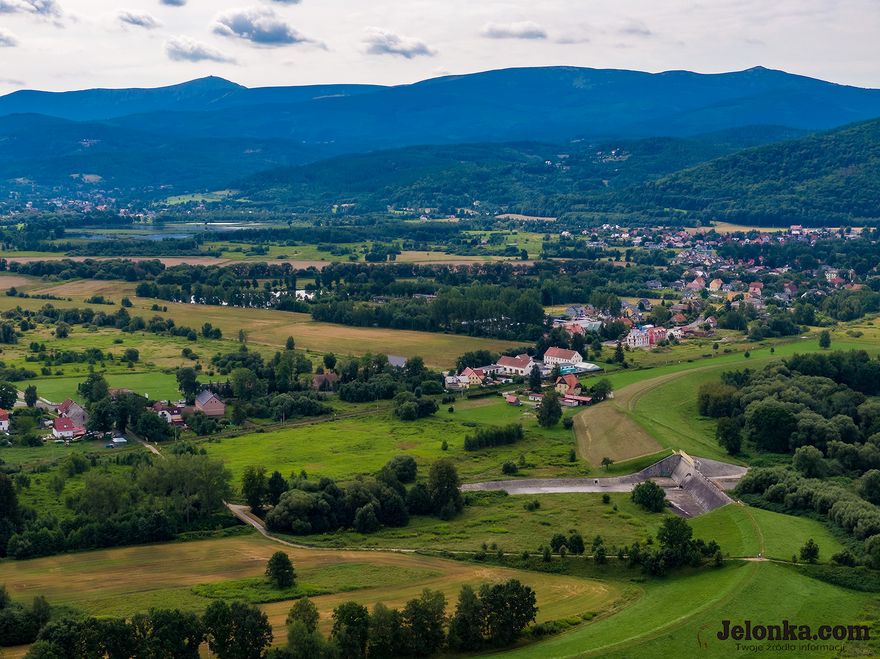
(120, 440)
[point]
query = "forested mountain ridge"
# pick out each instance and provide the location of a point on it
(547, 140)
(830, 177)
(826, 178)
(512, 176)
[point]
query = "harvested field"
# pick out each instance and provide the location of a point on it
(123, 581)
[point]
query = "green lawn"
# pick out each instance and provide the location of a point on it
(679, 616)
(495, 518)
(746, 531)
(345, 448)
(157, 385)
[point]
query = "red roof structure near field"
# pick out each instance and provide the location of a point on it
(4, 415)
(64, 408)
(63, 424)
(561, 353)
(520, 361)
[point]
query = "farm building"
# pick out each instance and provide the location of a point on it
(520, 365)
(562, 357)
(209, 404)
(4, 421)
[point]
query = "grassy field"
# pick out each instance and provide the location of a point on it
(680, 616)
(120, 582)
(497, 519)
(746, 531)
(156, 385)
(345, 448)
(656, 408)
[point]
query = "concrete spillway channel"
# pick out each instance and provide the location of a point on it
(693, 485)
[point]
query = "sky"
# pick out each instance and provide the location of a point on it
(74, 44)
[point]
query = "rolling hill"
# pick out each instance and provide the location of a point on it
(510, 176)
(209, 132)
(828, 178)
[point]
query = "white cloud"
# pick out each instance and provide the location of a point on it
(380, 42)
(521, 30)
(259, 25)
(186, 49)
(7, 39)
(138, 19)
(38, 7)
(636, 28)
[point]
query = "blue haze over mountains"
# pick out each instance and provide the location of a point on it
(211, 132)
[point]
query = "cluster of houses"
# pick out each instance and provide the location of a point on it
(569, 362)
(207, 402)
(71, 422)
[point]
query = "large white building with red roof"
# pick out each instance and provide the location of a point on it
(562, 357)
(64, 428)
(4, 421)
(520, 365)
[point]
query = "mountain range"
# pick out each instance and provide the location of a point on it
(211, 133)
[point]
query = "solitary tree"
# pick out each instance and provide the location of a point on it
(550, 411)
(825, 339)
(649, 496)
(280, 570)
(810, 551)
(607, 462)
(30, 396)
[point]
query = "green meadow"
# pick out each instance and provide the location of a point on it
(345, 448)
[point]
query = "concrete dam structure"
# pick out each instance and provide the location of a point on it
(693, 485)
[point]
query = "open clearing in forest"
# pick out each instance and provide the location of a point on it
(123, 581)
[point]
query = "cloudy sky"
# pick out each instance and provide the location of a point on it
(73, 44)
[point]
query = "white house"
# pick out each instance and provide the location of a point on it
(638, 339)
(562, 357)
(63, 428)
(4, 421)
(520, 365)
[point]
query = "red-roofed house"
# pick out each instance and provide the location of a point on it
(568, 385)
(4, 421)
(472, 377)
(520, 365)
(756, 288)
(74, 411)
(697, 284)
(64, 428)
(513, 400)
(562, 357)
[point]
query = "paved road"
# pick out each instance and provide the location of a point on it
(563, 485)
